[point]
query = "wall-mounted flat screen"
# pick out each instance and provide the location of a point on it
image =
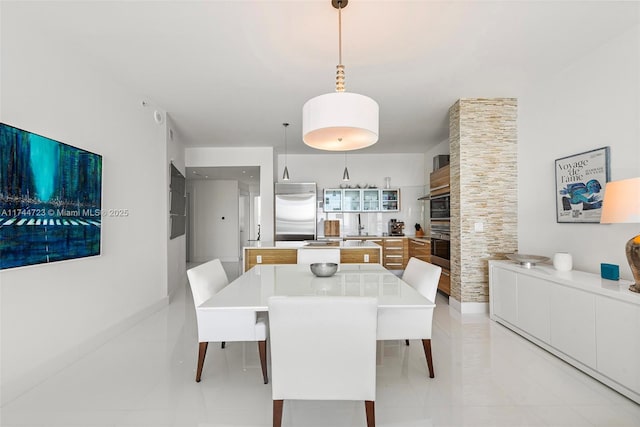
(50, 200)
(178, 209)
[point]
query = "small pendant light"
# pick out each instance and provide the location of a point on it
(345, 174)
(285, 175)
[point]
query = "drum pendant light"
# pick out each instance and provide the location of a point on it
(340, 121)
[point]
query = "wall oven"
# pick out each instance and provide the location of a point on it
(439, 207)
(440, 246)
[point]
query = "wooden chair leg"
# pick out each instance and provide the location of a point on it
(277, 413)
(427, 352)
(369, 407)
(262, 350)
(406, 342)
(202, 352)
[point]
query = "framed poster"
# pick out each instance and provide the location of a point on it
(50, 200)
(580, 181)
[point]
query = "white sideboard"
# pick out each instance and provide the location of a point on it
(590, 322)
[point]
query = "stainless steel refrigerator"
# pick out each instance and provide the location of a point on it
(295, 211)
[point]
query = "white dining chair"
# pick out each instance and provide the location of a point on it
(424, 278)
(323, 348)
(223, 325)
(311, 255)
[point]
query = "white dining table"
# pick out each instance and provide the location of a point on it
(403, 313)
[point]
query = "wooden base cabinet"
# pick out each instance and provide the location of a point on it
(257, 256)
(359, 256)
(444, 284)
(589, 322)
(419, 248)
(395, 253)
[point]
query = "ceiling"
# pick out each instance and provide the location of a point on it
(231, 72)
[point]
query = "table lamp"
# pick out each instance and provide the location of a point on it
(622, 205)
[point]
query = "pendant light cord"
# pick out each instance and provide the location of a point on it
(285, 142)
(285, 174)
(339, 32)
(340, 68)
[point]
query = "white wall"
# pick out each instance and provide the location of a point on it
(215, 224)
(51, 314)
(593, 103)
(255, 156)
(405, 170)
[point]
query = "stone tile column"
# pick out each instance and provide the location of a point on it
(484, 191)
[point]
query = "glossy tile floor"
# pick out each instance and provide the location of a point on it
(485, 376)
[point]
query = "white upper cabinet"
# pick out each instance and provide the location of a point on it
(352, 200)
(361, 200)
(370, 200)
(333, 200)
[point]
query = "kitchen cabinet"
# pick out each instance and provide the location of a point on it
(361, 200)
(358, 256)
(352, 200)
(370, 200)
(439, 182)
(439, 224)
(420, 248)
(350, 252)
(333, 200)
(395, 253)
(444, 284)
(254, 256)
(390, 200)
(589, 322)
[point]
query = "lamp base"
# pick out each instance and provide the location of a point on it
(633, 256)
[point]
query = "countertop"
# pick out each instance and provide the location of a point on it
(342, 244)
(348, 241)
(424, 238)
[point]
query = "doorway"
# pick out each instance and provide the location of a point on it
(222, 215)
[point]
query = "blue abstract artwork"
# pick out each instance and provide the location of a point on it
(50, 200)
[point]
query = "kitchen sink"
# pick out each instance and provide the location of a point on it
(322, 243)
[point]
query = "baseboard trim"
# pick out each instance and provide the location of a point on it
(15, 388)
(469, 307)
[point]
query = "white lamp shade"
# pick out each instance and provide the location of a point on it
(621, 201)
(340, 121)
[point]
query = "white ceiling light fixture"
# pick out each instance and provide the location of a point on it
(340, 121)
(285, 174)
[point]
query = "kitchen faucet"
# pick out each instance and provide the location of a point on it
(360, 226)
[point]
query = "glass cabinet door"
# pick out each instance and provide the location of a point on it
(333, 200)
(371, 200)
(352, 202)
(390, 200)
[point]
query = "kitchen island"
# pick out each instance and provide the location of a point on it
(351, 251)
